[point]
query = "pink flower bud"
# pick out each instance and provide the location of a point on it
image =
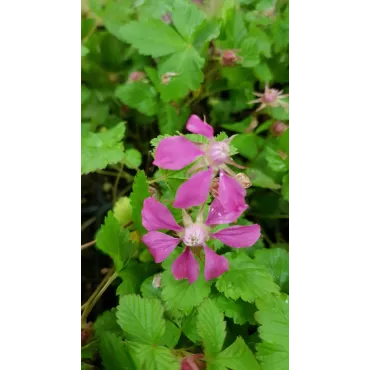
(229, 58)
(136, 76)
(278, 128)
(167, 18)
(193, 362)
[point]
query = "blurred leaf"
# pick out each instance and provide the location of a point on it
(250, 52)
(263, 72)
(285, 188)
(171, 335)
(246, 145)
(207, 31)
(114, 240)
(261, 180)
(275, 161)
(100, 149)
(84, 50)
(107, 322)
(138, 95)
(152, 37)
(171, 119)
(189, 327)
(133, 158)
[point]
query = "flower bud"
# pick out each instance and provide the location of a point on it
(136, 76)
(193, 362)
(278, 128)
(85, 333)
(229, 58)
(243, 180)
(122, 210)
(167, 18)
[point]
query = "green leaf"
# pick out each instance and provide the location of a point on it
(237, 356)
(246, 145)
(180, 295)
(188, 65)
(273, 315)
(186, 18)
(133, 158)
(264, 43)
(171, 119)
(245, 279)
(285, 187)
(141, 318)
(107, 322)
(149, 289)
(263, 72)
(211, 327)
(140, 96)
(113, 240)
(277, 261)
(171, 335)
(114, 354)
(250, 52)
(103, 148)
(89, 350)
(140, 192)
(115, 15)
(261, 180)
(152, 37)
(207, 31)
(84, 50)
(275, 161)
(189, 327)
(151, 357)
(133, 276)
(241, 312)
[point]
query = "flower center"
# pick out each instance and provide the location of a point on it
(195, 235)
(219, 152)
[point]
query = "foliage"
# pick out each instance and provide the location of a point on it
(146, 67)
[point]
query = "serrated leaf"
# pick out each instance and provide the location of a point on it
(261, 180)
(133, 276)
(107, 322)
(207, 31)
(152, 37)
(240, 311)
(154, 357)
(114, 354)
(114, 240)
(187, 64)
(275, 161)
(246, 144)
(133, 158)
(285, 187)
(186, 18)
(277, 261)
(171, 335)
(180, 295)
(103, 148)
(140, 96)
(141, 319)
(116, 14)
(90, 350)
(211, 327)
(250, 52)
(237, 356)
(273, 315)
(140, 192)
(245, 279)
(171, 119)
(149, 290)
(189, 327)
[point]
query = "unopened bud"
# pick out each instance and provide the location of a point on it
(167, 77)
(243, 180)
(136, 76)
(193, 362)
(122, 210)
(229, 58)
(153, 192)
(282, 154)
(167, 18)
(85, 333)
(278, 128)
(156, 283)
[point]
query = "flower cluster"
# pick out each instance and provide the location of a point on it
(212, 159)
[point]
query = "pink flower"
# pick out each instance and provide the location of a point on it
(194, 235)
(177, 152)
(270, 98)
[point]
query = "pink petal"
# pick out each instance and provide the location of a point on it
(198, 126)
(157, 217)
(186, 266)
(195, 190)
(160, 245)
(231, 194)
(239, 236)
(217, 213)
(175, 153)
(215, 265)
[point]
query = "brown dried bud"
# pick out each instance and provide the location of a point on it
(156, 283)
(278, 128)
(167, 77)
(229, 58)
(153, 192)
(85, 333)
(214, 187)
(243, 180)
(193, 362)
(282, 154)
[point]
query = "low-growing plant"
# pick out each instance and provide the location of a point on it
(185, 186)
